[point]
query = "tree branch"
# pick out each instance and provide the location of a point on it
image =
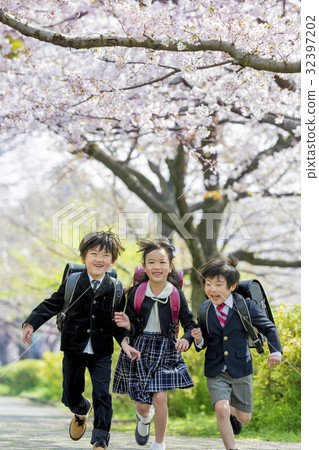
(143, 180)
(251, 259)
(288, 124)
(280, 145)
(266, 193)
(242, 58)
(166, 186)
(132, 181)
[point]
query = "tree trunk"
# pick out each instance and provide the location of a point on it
(198, 294)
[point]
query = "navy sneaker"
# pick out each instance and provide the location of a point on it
(99, 446)
(237, 426)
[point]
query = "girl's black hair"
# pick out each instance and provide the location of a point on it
(221, 266)
(147, 246)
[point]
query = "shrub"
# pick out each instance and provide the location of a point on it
(277, 390)
(22, 376)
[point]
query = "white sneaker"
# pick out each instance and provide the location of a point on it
(156, 446)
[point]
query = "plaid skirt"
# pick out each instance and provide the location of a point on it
(160, 368)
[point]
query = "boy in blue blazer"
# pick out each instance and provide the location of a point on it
(228, 363)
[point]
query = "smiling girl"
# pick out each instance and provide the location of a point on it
(161, 367)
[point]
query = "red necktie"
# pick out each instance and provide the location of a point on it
(221, 315)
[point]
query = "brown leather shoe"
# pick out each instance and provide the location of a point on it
(99, 446)
(78, 425)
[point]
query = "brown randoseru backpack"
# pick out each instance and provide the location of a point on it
(248, 290)
(72, 274)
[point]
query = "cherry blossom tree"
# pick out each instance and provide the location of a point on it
(194, 105)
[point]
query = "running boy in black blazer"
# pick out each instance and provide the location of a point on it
(87, 336)
(228, 363)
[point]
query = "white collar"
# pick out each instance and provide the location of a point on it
(228, 302)
(93, 279)
(165, 292)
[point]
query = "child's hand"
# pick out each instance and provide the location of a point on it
(197, 335)
(122, 320)
(27, 334)
(274, 360)
(182, 345)
(131, 352)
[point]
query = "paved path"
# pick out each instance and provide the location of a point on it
(24, 424)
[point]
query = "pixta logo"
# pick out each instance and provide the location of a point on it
(71, 222)
(142, 224)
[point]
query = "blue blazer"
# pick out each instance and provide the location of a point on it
(229, 345)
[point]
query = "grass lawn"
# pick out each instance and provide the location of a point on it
(206, 426)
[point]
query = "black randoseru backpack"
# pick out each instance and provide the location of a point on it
(72, 274)
(248, 290)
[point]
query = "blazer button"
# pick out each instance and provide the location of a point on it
(225, 338)
(226, 353)
(88, 330)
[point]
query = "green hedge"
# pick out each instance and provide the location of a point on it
(22, 376)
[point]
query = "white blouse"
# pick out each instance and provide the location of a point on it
(153, 324)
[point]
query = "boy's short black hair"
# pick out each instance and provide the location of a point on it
(105, 240)
(221, 266)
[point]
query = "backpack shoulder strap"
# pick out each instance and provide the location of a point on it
(202, 315)
(139, 296)
(118, 292)
(70, 286)
(242, 309)
(175, 304)
(174, 300)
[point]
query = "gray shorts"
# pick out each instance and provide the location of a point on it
(239, 391)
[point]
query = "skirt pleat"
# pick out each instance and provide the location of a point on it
(161, 368)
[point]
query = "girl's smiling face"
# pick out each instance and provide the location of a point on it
(217, 290)
(98, 262)
(157, 266)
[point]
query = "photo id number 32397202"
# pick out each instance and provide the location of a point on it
(311, 85)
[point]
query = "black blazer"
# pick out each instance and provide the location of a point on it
(229, 345)
(138, 324)
(89, 317)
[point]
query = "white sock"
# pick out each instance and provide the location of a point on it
(143, 424)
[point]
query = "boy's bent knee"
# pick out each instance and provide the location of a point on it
(243, 417)
(222, 408)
